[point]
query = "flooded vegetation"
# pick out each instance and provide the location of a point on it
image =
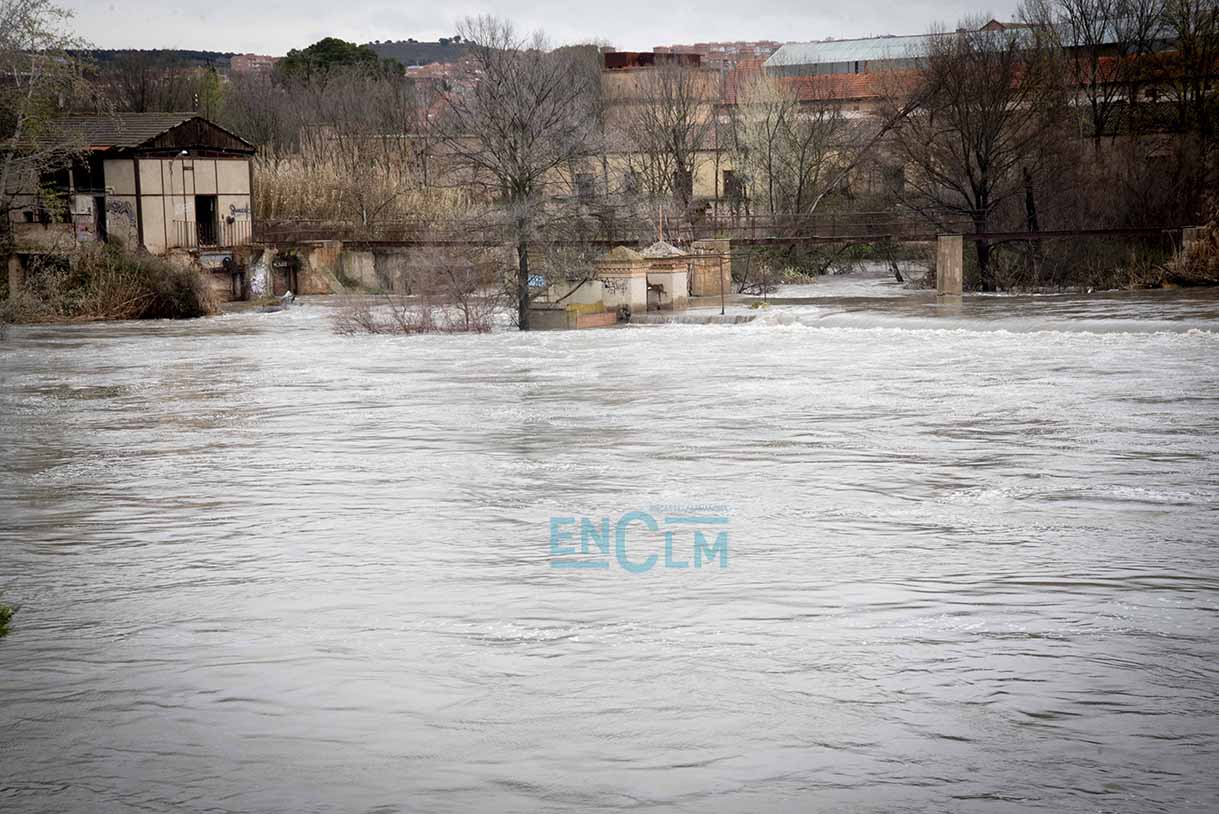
(264, 567)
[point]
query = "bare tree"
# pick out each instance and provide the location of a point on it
(266, 113)
(760, 116)
(512, 123)
(38, 73)
(452, 289)
(147, 82)
(792, 149)
(1103, 44)
(988, 105)
(1190, 73)
(363, 127)
(1193, 26)
(667, 114)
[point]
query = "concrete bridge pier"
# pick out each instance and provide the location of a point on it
(949, 265)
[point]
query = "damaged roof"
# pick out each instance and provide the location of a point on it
(150, 131)
(661, 249)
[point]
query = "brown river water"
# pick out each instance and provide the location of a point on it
(970, 562)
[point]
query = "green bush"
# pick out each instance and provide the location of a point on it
(6, 616)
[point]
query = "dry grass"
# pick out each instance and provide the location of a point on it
(313, 186)
(1198, 264)
(106, 283)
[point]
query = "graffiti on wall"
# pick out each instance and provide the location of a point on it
(122, 209)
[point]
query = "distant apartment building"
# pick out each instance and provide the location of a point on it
(437, 70)
(851, 73)
(629, 81)
(723, 54)
(252, 63)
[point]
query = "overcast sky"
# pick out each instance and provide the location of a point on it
(274, 26)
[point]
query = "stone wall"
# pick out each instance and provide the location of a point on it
(711, 268)
(949, 265)
(549, 317)
(624, 274)
(668, 284)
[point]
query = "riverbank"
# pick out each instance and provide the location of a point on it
(104, 283)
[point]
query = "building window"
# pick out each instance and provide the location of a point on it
(585, 186)
(630, 182)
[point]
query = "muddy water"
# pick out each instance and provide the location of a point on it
(971, 563)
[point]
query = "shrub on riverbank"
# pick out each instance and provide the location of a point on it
(757, 271)
(6, 616)
(105, 283)
(402, 314)
(1071, 264)
(453, 290)
(1198, 263)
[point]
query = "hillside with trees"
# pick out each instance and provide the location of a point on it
(413, 52)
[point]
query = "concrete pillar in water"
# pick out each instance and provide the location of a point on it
(949, 265)
(711, 267)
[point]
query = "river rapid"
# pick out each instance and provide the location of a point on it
(969, 564)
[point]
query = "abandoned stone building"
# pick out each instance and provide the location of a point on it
(162, 181)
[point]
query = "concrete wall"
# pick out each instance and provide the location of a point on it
(706, 184)
(121, 219)
(358, 269)
(711, 268)
(51, 237)
(167, 189)
(316, 271)
(545, 317)
(949, 265)
(588, 292)
(673, 282)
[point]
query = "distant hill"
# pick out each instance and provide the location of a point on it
(216, 59)
(411, 52)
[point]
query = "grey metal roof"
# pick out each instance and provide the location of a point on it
(120, 129)
(912, 47)
(873, 48)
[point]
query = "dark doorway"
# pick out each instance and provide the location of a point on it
(99, 219)
(205, 219)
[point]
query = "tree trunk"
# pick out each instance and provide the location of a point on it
(984, 270)
(1030, 218)
(522, 280)
(1030, 203)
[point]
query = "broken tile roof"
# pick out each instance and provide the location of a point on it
(661, 249)
(121, 129)
(131, 130)
(621, 254)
